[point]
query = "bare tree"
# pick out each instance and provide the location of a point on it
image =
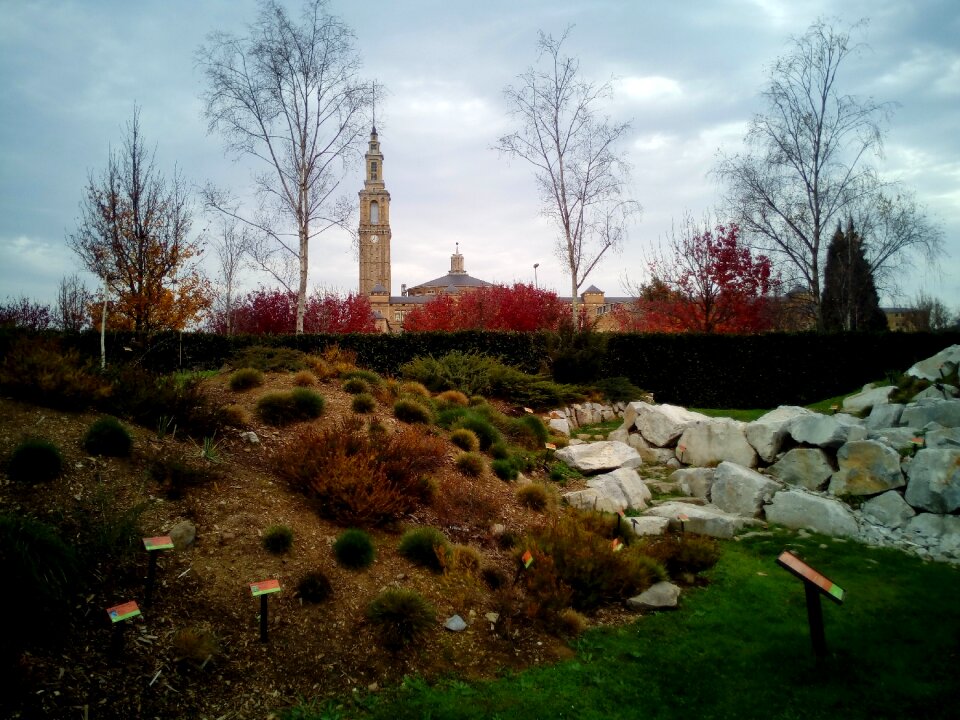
(74, 302)
(581, 176)
(134, 234)
(231, 245)
(288, 95)
(807, 166)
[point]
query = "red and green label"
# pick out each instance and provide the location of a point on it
(123, 611)
(161, 542)
(264, 587)
(806, 573)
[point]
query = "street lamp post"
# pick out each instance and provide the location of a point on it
(535, 266)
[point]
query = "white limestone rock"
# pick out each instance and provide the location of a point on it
(888, 509)
(741, 491)
(828, 431)
(863, 401)
(657, 456)
(810, 468)
(937, 391)
(661, 425)
(945, 412)
(621, 434)
(662, 595)
(701, 519)
(884, 416)
(934, 480)
(937, 366)
(898, 438)
(648, 525)
(710, 442)
(798, 508)
(767, 433)
(866, 467)
(560, 425)
(943, 439)
(695, 481)
(597, 456)
(623, 484)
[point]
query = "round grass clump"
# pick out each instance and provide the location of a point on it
(245, 379)
(411, 411)
(283, 408)
(400, 616)
(108, 436)
(367, 376)
(308, 403)
(304, 378)
(412, 387)
(354, 549)
(35, 460)
(363, 403)
(533, 496)
(355, 386)
(465, 439)
(471, 463)
(486, 433)
(314, 587)
(504, 469)
(499, 451)
(234, 416)
(453, 398)
(425, 546)
(277, 539)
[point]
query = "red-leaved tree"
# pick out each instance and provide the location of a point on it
(707, 282)
(23, 312)
(273, 310)
(498, 307)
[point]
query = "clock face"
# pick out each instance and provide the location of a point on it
(374, 239)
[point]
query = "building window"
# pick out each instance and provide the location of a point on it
(373, 169)
(398, 316)
(375, 213)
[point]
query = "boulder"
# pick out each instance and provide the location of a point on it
(888, 509)
(945, 412)
(661, 425)
(660, 596)
(937, 366)
(925, 529)
(455, 623)
(943, 439)
(621, 434)
(593, 499)
(694, 481)
(648, 525)
(829, 431)
(741, 491)
(800, 509)
(714, 441)
(701, 519)
(898, 438)
(559, 425)
(767, 432)
(657, 456)
(597, 456)
(810, 468)
(863, 401)
(623, 483)
(934, 480)
(937, 391)
(883, 416)
(867, 467)
(183, 534)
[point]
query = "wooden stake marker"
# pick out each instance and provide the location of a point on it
(814, 585)
(153, 545)
(263, 590)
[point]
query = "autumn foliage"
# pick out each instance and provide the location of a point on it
(710, 283)
(498, 307)
(271, 310)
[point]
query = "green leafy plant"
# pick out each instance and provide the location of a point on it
(618, 389)
(246, 379)
(108, 436)
(426, 546)
(400, 617)
(505, 469)
(486, 433)
(471, 463)
(278, 539)
(411, 411)
(354, 549)
(314, 587)
(35, 460)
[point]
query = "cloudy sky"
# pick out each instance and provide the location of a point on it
(687, 74)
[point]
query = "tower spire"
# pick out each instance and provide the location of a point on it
(374, 107)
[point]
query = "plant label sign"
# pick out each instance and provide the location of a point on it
(798, 567)
(123, 611)
(264, 587)
(161, 542)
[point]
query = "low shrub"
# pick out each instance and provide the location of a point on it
(400, 617)
(618, 389)
(283, 408)
(36, 370)
(196, 645)
(533, 496)
(415, 389)
(108, 526)
(277, 539)
(363, 403)
(471, 463)
(683, 553)
(355, 386)
(500, 451)
(527, 431)
(486, 433)
(270, 359)
(467, 372)
(425, 546)
(108, 436)
(246, 379)
(314, 587)
(354, 549)
(493, 577)
(304, 378)
(568, 623)
(235, 416)
(466, 559)
(371, 378)
(176, 475)
(505, 469)
(452, 398)
(411, 411)
(35, 460)
(560, 472)
(465, 439)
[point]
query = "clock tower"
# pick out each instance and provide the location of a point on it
(374, 224)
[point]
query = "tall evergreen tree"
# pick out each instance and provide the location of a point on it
(850, 300)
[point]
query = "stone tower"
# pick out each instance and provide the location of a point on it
(374, 224)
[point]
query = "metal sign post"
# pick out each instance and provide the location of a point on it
(263, 590)
(153, 546)
(814, 585)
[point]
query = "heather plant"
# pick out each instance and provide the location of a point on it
(471, 463)
(504, 469)
(108, 436)
(400, 617)
(283, 408)
(465, 439)
(411, 411)
(452, 398)
(176, 474)
(246, 379)
(314, 587)
(278, 539)
(371, 378)
(35, 460)
(363, 403)
(533, 496)
(486, 433)
(354, 549)
(235, 416)
(270, 359)
(36, 370)
(414, 389)
(686, 553)
(196, 645)
(425, 546)
(355, 386)
(304, 378)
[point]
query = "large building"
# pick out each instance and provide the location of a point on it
(374, 246)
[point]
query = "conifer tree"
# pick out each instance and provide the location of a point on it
(850, 300)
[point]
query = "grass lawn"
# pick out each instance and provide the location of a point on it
(738, 648)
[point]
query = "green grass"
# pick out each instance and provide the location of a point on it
(739, 648)
(602, 428)
(744, 415)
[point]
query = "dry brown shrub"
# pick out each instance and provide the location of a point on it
(304, 378)
(235, 416)
(449, 398)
